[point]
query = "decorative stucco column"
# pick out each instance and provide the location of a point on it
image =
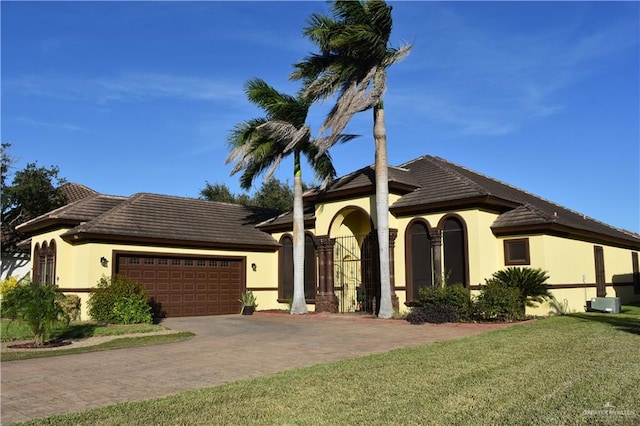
(326, 300)
(436, 248)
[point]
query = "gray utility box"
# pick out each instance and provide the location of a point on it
(606, 304)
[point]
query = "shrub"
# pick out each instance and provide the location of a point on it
(435, 314)
(498, 302)
(530, 282)
(36, 305)
(119, 300)
(133, 311)
(7, 285)
(454, 296)
(70, 306)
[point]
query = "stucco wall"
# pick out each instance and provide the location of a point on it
(79, 267)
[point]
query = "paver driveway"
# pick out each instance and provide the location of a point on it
(226, 348)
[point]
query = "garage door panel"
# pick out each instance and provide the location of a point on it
(187, 286)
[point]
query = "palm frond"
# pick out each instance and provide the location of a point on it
(396, 55)
(278, 106)
(286, 134)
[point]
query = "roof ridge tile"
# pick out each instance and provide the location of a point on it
(437, 161)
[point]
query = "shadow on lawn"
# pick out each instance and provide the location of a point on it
(75, 331)
(624, 321)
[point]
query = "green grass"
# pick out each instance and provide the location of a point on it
(120, 343)
(18, 330)
(560, 370)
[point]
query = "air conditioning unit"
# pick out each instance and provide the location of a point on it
(606, 304)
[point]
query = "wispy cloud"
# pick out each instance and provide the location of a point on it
(49, 124)
(125, 87)
(485, 83)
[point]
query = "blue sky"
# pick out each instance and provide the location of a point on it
(130, 97)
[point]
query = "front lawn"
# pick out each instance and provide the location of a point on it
(577, 369)
(18, 330)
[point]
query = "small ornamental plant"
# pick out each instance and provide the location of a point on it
(35, 304)
(248, 299)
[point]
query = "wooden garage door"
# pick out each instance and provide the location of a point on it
(187, 286)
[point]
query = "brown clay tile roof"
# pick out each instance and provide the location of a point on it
(432, 184)
(83, 210)
(443, 183)
(284, 221)
(170, 220)
(75, 191)
(363, 182)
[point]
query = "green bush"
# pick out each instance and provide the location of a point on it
(498, 302)
(454, 296)
(36, 305)
(133, 311)
(8, 284)
(119, 300)
(435, 314)
(70, 306)
(530, 282)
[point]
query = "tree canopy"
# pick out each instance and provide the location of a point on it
(33, 191)
(273, 194)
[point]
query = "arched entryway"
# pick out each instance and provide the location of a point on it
(355, 260)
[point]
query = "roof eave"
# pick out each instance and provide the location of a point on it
(46, 224)
(88, 237)
(309, 223)
(564, 231)
(488, 202)
(339, 194)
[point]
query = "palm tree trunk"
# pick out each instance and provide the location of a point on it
(382, 209)
(298, 305)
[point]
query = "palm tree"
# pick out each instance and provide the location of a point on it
(353, 61)
(258, 146)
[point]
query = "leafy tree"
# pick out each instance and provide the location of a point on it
(353, 61)
(33, 191)
(275, 195)
(218, 192)
(259, 144)
(5, 165)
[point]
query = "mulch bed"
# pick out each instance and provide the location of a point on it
(32, 345)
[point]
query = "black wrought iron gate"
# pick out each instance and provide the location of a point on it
(356, 272)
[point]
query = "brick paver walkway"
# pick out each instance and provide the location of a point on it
(226, 348)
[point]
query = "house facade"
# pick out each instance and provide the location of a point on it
(447, 225)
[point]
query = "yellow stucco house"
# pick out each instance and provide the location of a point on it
(196, 257)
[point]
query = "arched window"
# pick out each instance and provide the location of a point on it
(50, 268)
(286, 268)
(309, 267)
(285, 288)
(44, 265)
(36, 263)
(418, 251)
(454, 250)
